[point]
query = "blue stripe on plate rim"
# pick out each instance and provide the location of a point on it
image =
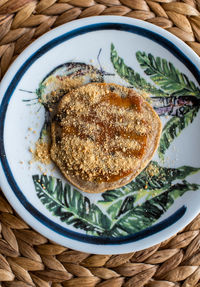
(3, 108)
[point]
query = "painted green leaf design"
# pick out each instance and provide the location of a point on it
(70, 205)
(133, 78)
(118, 200)
(40, 91)
(164, 74)
(152, 181)
(173, 128)
(147, 213)
(156, 176)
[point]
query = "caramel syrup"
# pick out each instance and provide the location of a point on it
(108, 132)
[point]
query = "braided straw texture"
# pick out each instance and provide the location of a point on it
(22, 21)
(29, 259)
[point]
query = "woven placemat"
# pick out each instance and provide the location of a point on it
(29, 259)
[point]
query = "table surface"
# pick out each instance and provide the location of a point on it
(29, 259)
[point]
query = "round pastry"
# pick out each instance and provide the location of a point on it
(103, 136)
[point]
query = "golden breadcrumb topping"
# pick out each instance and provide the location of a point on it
(42, 152)
(101, 131)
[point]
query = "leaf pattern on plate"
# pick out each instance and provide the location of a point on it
(165, 75)
(144, 215)
(173, 128)
(142, 202)
(74, 209)
(152, 181)
(70, 205)
(173, 85)
(132, 77)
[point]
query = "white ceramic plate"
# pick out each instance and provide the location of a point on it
(165, 196)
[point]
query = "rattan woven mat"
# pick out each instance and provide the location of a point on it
(29, 259)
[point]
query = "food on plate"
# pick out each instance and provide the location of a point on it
(63, 79)
(103, 136)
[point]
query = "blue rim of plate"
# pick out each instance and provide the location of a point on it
(3, 108)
